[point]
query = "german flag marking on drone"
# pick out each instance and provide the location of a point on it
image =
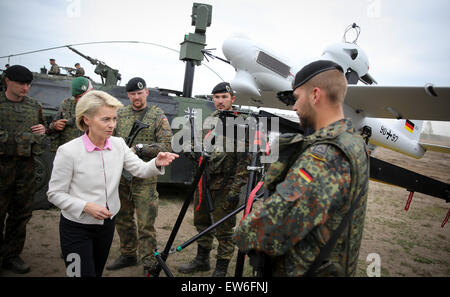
(305, 174)
(409, 126)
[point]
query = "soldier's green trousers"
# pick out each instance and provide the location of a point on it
(223, 232)
(17, 185)
(142, 197)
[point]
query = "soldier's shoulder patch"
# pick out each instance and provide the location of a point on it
(320, 151)
(305, 175)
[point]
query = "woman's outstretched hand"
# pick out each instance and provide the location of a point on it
(165, 158)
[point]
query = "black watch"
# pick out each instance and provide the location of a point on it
(138, 147)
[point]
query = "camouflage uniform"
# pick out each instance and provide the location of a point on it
(54, 69)
(228, 173)
(79, 72)
(18, 145)
(297, 220)
(65, 111)
(141, 194)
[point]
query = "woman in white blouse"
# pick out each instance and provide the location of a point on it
(85, 180)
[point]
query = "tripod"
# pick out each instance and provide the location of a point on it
(256, 170)
(203, 161)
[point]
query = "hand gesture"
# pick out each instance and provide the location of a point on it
(165, 158)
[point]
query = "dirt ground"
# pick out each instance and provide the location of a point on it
(408, 243)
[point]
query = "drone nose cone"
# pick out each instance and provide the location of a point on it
(229, 48)
(234, 47)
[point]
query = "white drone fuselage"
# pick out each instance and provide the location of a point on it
(261, 74)
(252, 77)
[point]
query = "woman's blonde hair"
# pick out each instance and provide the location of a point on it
(89, 104)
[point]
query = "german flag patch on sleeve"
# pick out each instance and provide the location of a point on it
(305, 175)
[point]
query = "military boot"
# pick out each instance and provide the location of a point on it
(122, 262)
(16, 265)
(200, 262)
(221, 268)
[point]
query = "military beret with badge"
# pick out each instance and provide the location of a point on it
(223, 87)
(135, 84)
(79, 85)
(304, 75)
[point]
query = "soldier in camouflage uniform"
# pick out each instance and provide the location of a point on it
(138, 194)
(79, 70)
(227, 174)
(63, 128)
(313, 184)
(55, 68)
(22, 133)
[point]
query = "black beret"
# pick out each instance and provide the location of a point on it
(19, 73)
(223, 87)
(135, 84)
(304, 75)
(311, 70)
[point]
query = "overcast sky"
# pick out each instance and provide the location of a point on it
(407, 41)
